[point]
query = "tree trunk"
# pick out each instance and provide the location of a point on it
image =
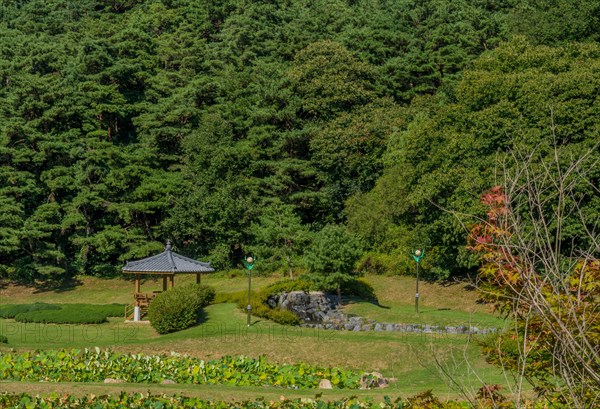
(289, 263)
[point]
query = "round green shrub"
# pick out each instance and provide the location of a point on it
(179, 308)
(3, 339)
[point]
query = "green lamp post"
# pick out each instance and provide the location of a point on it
(249, 263)
(418, 255)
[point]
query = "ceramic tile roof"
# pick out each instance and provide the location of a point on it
(167, 262)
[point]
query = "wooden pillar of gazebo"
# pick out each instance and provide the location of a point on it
(198, 278)
(164, 283)
(137, 283)
(171, 280)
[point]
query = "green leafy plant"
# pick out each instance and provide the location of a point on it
(179, 308)
(151, 401)
(74, 366)
(147, 401)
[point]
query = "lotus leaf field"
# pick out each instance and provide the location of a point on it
(163, 401)
(97, 365)
(139, 400)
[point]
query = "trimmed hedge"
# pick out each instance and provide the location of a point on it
(12, 310)
(61, 313)
(179, 308)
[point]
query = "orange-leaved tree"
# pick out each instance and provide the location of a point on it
(543, 277)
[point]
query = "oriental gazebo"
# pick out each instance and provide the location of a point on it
(167, 264)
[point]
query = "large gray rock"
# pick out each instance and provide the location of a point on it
(311, 307)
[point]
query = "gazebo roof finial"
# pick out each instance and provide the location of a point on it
(168, 247)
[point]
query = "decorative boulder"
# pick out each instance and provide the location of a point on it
(325, 384)
(373, 380)
(310, 307)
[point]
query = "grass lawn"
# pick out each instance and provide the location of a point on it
(439, 304)
(94, 290)
(415, 361)
(225, 393)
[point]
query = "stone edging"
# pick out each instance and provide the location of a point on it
(319, 310)
(360, 324)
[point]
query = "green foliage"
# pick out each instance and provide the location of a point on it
(553, 22)
(11, 310)
(232, 125)
(359, 288)
(164, 401)
(424, 400)
(72, 314)
(179, 308)
(566, 287)
(330, 80)
(280, 238)
(348, 150)
(285, 286)
(332, 256)
(73, 366)
(427, 400)
(278, 315)
(61, 313)
(283, 317)
(260, 308)
(258, 300)
(3, 339)
(383, 263)
(517, 96)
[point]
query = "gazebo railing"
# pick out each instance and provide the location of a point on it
(143, 301)
(129, 311)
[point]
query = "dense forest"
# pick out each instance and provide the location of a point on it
(265, 126)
